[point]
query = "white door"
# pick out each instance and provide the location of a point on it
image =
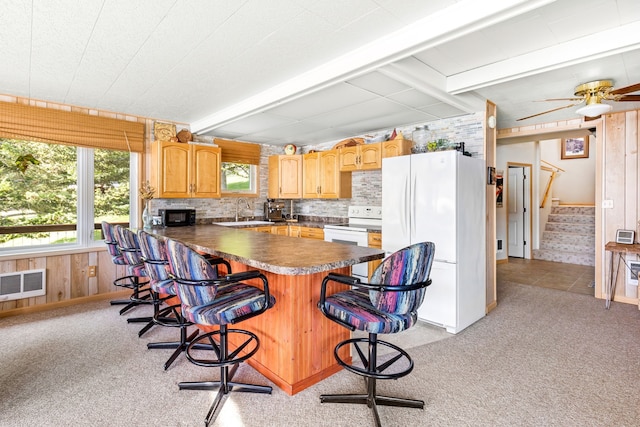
(516, 212)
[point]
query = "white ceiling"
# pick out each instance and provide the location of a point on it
(309, 71)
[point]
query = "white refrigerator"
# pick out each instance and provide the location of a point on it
(440, 197)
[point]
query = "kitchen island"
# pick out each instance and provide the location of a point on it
(296, 340)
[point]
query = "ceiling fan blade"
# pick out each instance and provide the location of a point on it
(562, 99)
(588, 119)
(550, 111)
(626, 89)
(631, 98)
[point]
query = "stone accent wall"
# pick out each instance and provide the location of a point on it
(366, 185)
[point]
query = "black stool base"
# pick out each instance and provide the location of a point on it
(223, 360)
(179, 347)
(372, 371)
(224, 387)
(372, 402)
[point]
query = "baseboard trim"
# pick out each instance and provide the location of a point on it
(65, 303)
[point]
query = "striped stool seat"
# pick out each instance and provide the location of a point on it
(210, 300)
(387, 305)
(355, 308)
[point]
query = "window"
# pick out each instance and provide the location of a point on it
(239, 167)
(57, 195)
(238, 178)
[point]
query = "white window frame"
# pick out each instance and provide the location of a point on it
(85, 212)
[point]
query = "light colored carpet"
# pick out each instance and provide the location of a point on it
(542, 358)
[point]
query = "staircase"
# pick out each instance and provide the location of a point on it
(569, 236)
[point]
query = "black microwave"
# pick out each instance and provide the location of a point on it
(178, 217)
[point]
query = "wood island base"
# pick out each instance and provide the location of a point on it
(296, 340)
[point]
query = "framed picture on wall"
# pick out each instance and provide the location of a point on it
(574, 148)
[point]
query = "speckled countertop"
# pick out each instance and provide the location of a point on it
(270, 252)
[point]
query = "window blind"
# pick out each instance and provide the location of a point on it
(30, 123)
(238, 152)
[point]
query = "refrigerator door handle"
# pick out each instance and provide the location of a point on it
(405, 206)
(413, 205)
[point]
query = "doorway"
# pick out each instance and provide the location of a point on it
(518, 210)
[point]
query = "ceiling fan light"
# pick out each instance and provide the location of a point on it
(594, 110)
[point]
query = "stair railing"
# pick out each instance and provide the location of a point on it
(554, 171)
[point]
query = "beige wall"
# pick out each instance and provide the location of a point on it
(617, 175)
(575, 185)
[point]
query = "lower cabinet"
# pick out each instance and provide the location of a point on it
(294, 230)
(290, 230)
(312, 233)
(374, 241)
(261, 229)
(280, 230)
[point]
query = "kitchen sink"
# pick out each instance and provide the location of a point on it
(239, 223)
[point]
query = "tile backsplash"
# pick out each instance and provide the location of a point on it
(366, 185)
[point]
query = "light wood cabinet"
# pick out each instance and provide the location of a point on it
(294, 230)
(374, 241)
(181, 170)
(361, 157)
(285, 177)
(280, 230)
(396, 147)
(321, 176)
(261, 229)
(312, 233)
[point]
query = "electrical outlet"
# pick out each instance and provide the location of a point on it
(607, 204)
(92, 271)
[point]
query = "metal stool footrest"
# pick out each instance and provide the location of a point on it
(398, 357)
(249, 346)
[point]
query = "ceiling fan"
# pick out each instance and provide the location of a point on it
(591, 94)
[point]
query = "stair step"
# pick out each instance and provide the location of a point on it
(585, 239)
(569, 236)
(567, 247)
(569, 227)
(571, 218)
(580, 258)
(574, 210)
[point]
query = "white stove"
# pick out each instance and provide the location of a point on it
(361, 220)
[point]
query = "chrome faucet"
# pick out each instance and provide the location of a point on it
(238, 205)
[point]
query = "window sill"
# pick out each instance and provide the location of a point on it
(46, 252)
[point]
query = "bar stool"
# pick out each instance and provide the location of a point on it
(129, 247)
(129, 281)
(387, 305)
(211, 301)
(154, 256)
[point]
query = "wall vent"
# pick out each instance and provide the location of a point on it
(22, 284)
(499, 245)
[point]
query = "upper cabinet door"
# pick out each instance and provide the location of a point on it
(329, 174)
(310, 176)
(370, 157)
(349, 158)
(361, 157)
(181, 170)
(396, 147)
(205, 171)
(285, 177)
(171, 169)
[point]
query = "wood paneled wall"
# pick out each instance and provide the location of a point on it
(621, 176)
(67, 277)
